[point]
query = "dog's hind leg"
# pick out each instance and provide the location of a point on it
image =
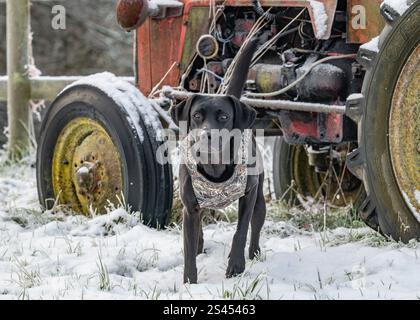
(257, 220)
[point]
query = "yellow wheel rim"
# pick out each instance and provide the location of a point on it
(86, 169)
(404, 132)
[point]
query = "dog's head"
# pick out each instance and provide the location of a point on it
(214, 112)
(206, 115)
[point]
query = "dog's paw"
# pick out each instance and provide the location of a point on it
(190, 280)
(190, 276)
(235, 267)
(254, 252)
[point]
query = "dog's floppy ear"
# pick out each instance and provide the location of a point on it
(244, 115)
(181, 112)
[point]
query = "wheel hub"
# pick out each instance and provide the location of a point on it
(86, 178)
(334, 183)
(404, 132)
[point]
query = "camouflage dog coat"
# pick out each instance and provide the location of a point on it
(218, 195)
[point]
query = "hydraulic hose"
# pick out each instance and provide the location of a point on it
(260, 11)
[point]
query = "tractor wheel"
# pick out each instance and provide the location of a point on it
(98, 145)
(292, 175)
(388, 159)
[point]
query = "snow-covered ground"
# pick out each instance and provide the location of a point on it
(53, 256)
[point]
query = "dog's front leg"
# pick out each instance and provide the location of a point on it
(236, 263)
(191, 226)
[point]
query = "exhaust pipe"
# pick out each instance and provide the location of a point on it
(131, 14)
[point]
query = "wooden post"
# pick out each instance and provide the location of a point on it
(18, 86)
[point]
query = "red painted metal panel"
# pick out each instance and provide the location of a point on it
(161, 42)
(327, 128)
(144, 71)
(165, 39)
(158, 46)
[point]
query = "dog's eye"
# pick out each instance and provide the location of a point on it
(223, 117)
(197, 115)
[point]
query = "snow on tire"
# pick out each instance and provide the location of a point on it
(133, 126)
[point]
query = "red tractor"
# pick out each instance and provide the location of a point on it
(336, 82)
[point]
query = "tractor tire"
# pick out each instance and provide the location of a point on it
(103, 126)
(291, 172)
(292, 175)
(388, 157)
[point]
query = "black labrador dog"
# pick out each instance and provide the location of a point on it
(206, 113)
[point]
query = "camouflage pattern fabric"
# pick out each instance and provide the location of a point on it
(218, 195)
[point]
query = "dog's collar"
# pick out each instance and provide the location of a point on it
(218, 195)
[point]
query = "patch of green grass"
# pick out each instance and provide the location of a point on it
(104, 281)
(8, 162)
(377, 240)
(27, 218)
(153, 294)
(26, 278)
(309, 217)
(245, 289)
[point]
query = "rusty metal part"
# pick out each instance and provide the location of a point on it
(325, 82)
(404, 132)
(86, 169)
(267, 77)
(194, 84)
(131, 14)
(330, 7)
(269, 104)
(307, 128)
(158, 44)
(317, 158)
(86, 177)
(294, 106)
(242, 29)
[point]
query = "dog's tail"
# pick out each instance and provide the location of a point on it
(241, 68)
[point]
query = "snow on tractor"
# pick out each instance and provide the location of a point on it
(336, 82)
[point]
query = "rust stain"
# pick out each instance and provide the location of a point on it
(404, 130)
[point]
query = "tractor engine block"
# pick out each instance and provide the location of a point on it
(292, 61)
